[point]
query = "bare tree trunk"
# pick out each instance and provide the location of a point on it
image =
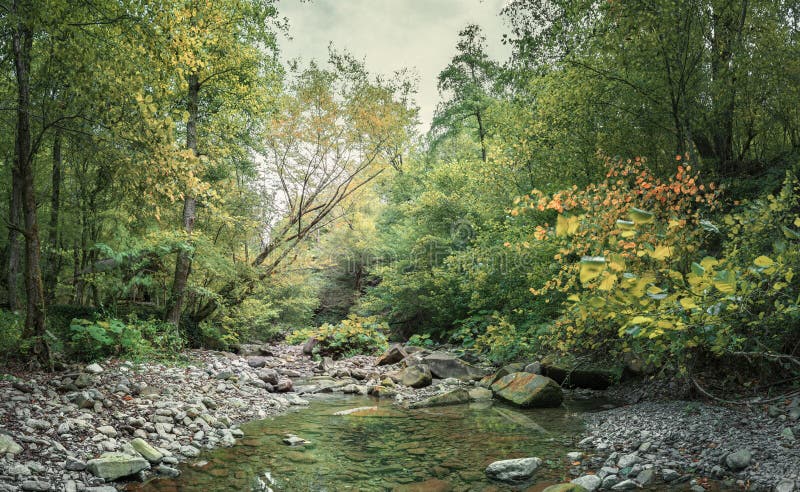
(14, 252)
(183, 264)
(53, 259)
(22, 40)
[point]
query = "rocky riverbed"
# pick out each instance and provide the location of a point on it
(85, 428)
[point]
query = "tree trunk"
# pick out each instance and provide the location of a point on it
(14, 253)
(53, 259)
(22, 40)
(183, 264)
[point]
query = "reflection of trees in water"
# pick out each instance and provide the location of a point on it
(379, 449)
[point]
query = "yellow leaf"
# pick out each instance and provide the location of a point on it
(688, 303)
(709, 262)
(591, 267)
(608, 282)
(574, 298)
(763, 261)
(640, 320)
(661, 253)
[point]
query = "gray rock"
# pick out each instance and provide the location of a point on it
(94, 368)
(418, 376)
(669, 475)
(107, 430)
(111, 466)
(293, 440)
(35, 485)
(147, 451)
(74, 464)
(269, 376)
(646, 476)
(628, 460)
(515, 470)
(588, 482)
(168, 471)
(574, 456)
(610, 480)
(739, 460)
(256, 361)
(445, 366)
(787, 434)
(8, 446)
(83, 380)
(534, 368)
(625, 485)
(785, 485)
(454, 397)
(480, 394)
(189, 451)
(393, 355)
(19, 470)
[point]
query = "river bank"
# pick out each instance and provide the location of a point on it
(55, 425)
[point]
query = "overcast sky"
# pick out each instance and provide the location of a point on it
(391, 34)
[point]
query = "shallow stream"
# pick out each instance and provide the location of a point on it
(433, 449)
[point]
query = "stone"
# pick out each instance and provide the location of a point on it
(94, 368)
(35, 485)
(480, 394)
(256, 361)
(565, 487)
(454, 397)
(610, 481)
(445, 366)
(430, 485)
(787, 434)
(570, 374)
(269, 376)
(111, 466)
(189, 451)
(292, 440)
(147, 451)
(528, 390)
(418, 376)
(107, 430)
(794, 413)
(588, 482)
(739, 460)
(669, 475)
(785, 485)
(574, 455)
(516, 470)
(83, 380)
(625, 485)
(645, 476)
(19, 470)
(284, 385)
(168, 471)
(74, 464)
(534, 368)
(393, 355)
(8, 446)
(308, 347)
(628, 460)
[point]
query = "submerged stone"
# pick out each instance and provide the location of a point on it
(454, 397)
(516, 470)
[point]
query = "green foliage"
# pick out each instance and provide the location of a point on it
(423, 340)
(105, 337)
(502, 341)
(352, 336)
(11, 325)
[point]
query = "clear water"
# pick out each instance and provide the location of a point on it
(442, 448)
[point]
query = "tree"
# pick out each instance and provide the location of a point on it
(468, 81)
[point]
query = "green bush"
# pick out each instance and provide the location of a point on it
(352, 336)
(105, 337)
(10, 333)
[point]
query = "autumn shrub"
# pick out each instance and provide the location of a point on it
(646, 271)
(107, 336)
(352, 336)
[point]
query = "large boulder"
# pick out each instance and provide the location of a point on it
(516, 470)
(417, 376)
(445, 366)
(572, 374)
(565, 487)
(487, 381)
(528, 390)
(111, 466)
(393, 355)
(454, 397)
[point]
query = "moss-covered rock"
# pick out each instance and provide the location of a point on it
(111, 466)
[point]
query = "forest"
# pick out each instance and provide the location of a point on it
(624, 185)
